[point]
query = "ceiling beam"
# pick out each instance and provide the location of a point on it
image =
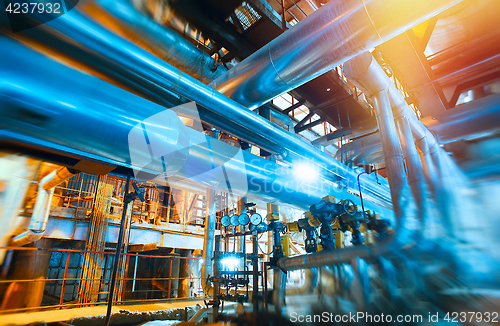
(309, 125)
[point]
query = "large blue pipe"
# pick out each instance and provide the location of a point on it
(48, 105)
(164, 79)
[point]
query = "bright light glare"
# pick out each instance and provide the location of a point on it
(306, 171)
(230, 263)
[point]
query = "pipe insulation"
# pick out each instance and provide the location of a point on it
(331, 35)
(41, 211)
(237, 120)
(162, 40)
(79, 115)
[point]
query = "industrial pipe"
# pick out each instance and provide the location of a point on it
(162, 40)
(392, 151)
(414, 166)
(333, 34)
(279, 285)
(69, 118)
(470, 120)
(377, 90)
(242, 123)
(208, 241)
(41, 211)
(365, 72)
(370, 77)
(466, 121)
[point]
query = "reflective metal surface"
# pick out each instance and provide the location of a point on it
(331, 35)
(236, 119)
(393, 154)
(40, 216)
(467, 121)
(81, 116)
(162, 40)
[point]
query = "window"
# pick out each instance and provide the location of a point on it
(247, 16)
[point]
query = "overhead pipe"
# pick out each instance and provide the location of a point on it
(331, 35)
(162, 40)
(41, 211)
(467, 121)
(236, 119)
(68, 117)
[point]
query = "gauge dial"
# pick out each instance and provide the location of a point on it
(255, 219)
(225, 221)
(244, 219)
(235, 220)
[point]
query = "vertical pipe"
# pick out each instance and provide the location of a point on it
(393, 154)
(135, 274)
(279, 290)
(255, 266)
(216, 274)
(271, 209)
(118, 251)
(414, 165)
(240, 241)
(125, 275)
(208, 241)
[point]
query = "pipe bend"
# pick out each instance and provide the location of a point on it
(41, 211)
(26, 238)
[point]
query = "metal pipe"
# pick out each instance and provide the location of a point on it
(241, 240)
(466, 121)
(331, 35)
(356, 70)
(365, 72)
(162, 40)
(208, 241)
(392, 151)
(414, 165)
(279, 285)
(242, 122)
(370, 77)
(77, 126)
(40, 215)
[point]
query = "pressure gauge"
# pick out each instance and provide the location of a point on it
(225, 221)
(255, 219)
(244, 219)
(235, 220)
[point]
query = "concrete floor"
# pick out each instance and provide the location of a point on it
(50, 316)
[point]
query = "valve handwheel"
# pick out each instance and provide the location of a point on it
(349, 207)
